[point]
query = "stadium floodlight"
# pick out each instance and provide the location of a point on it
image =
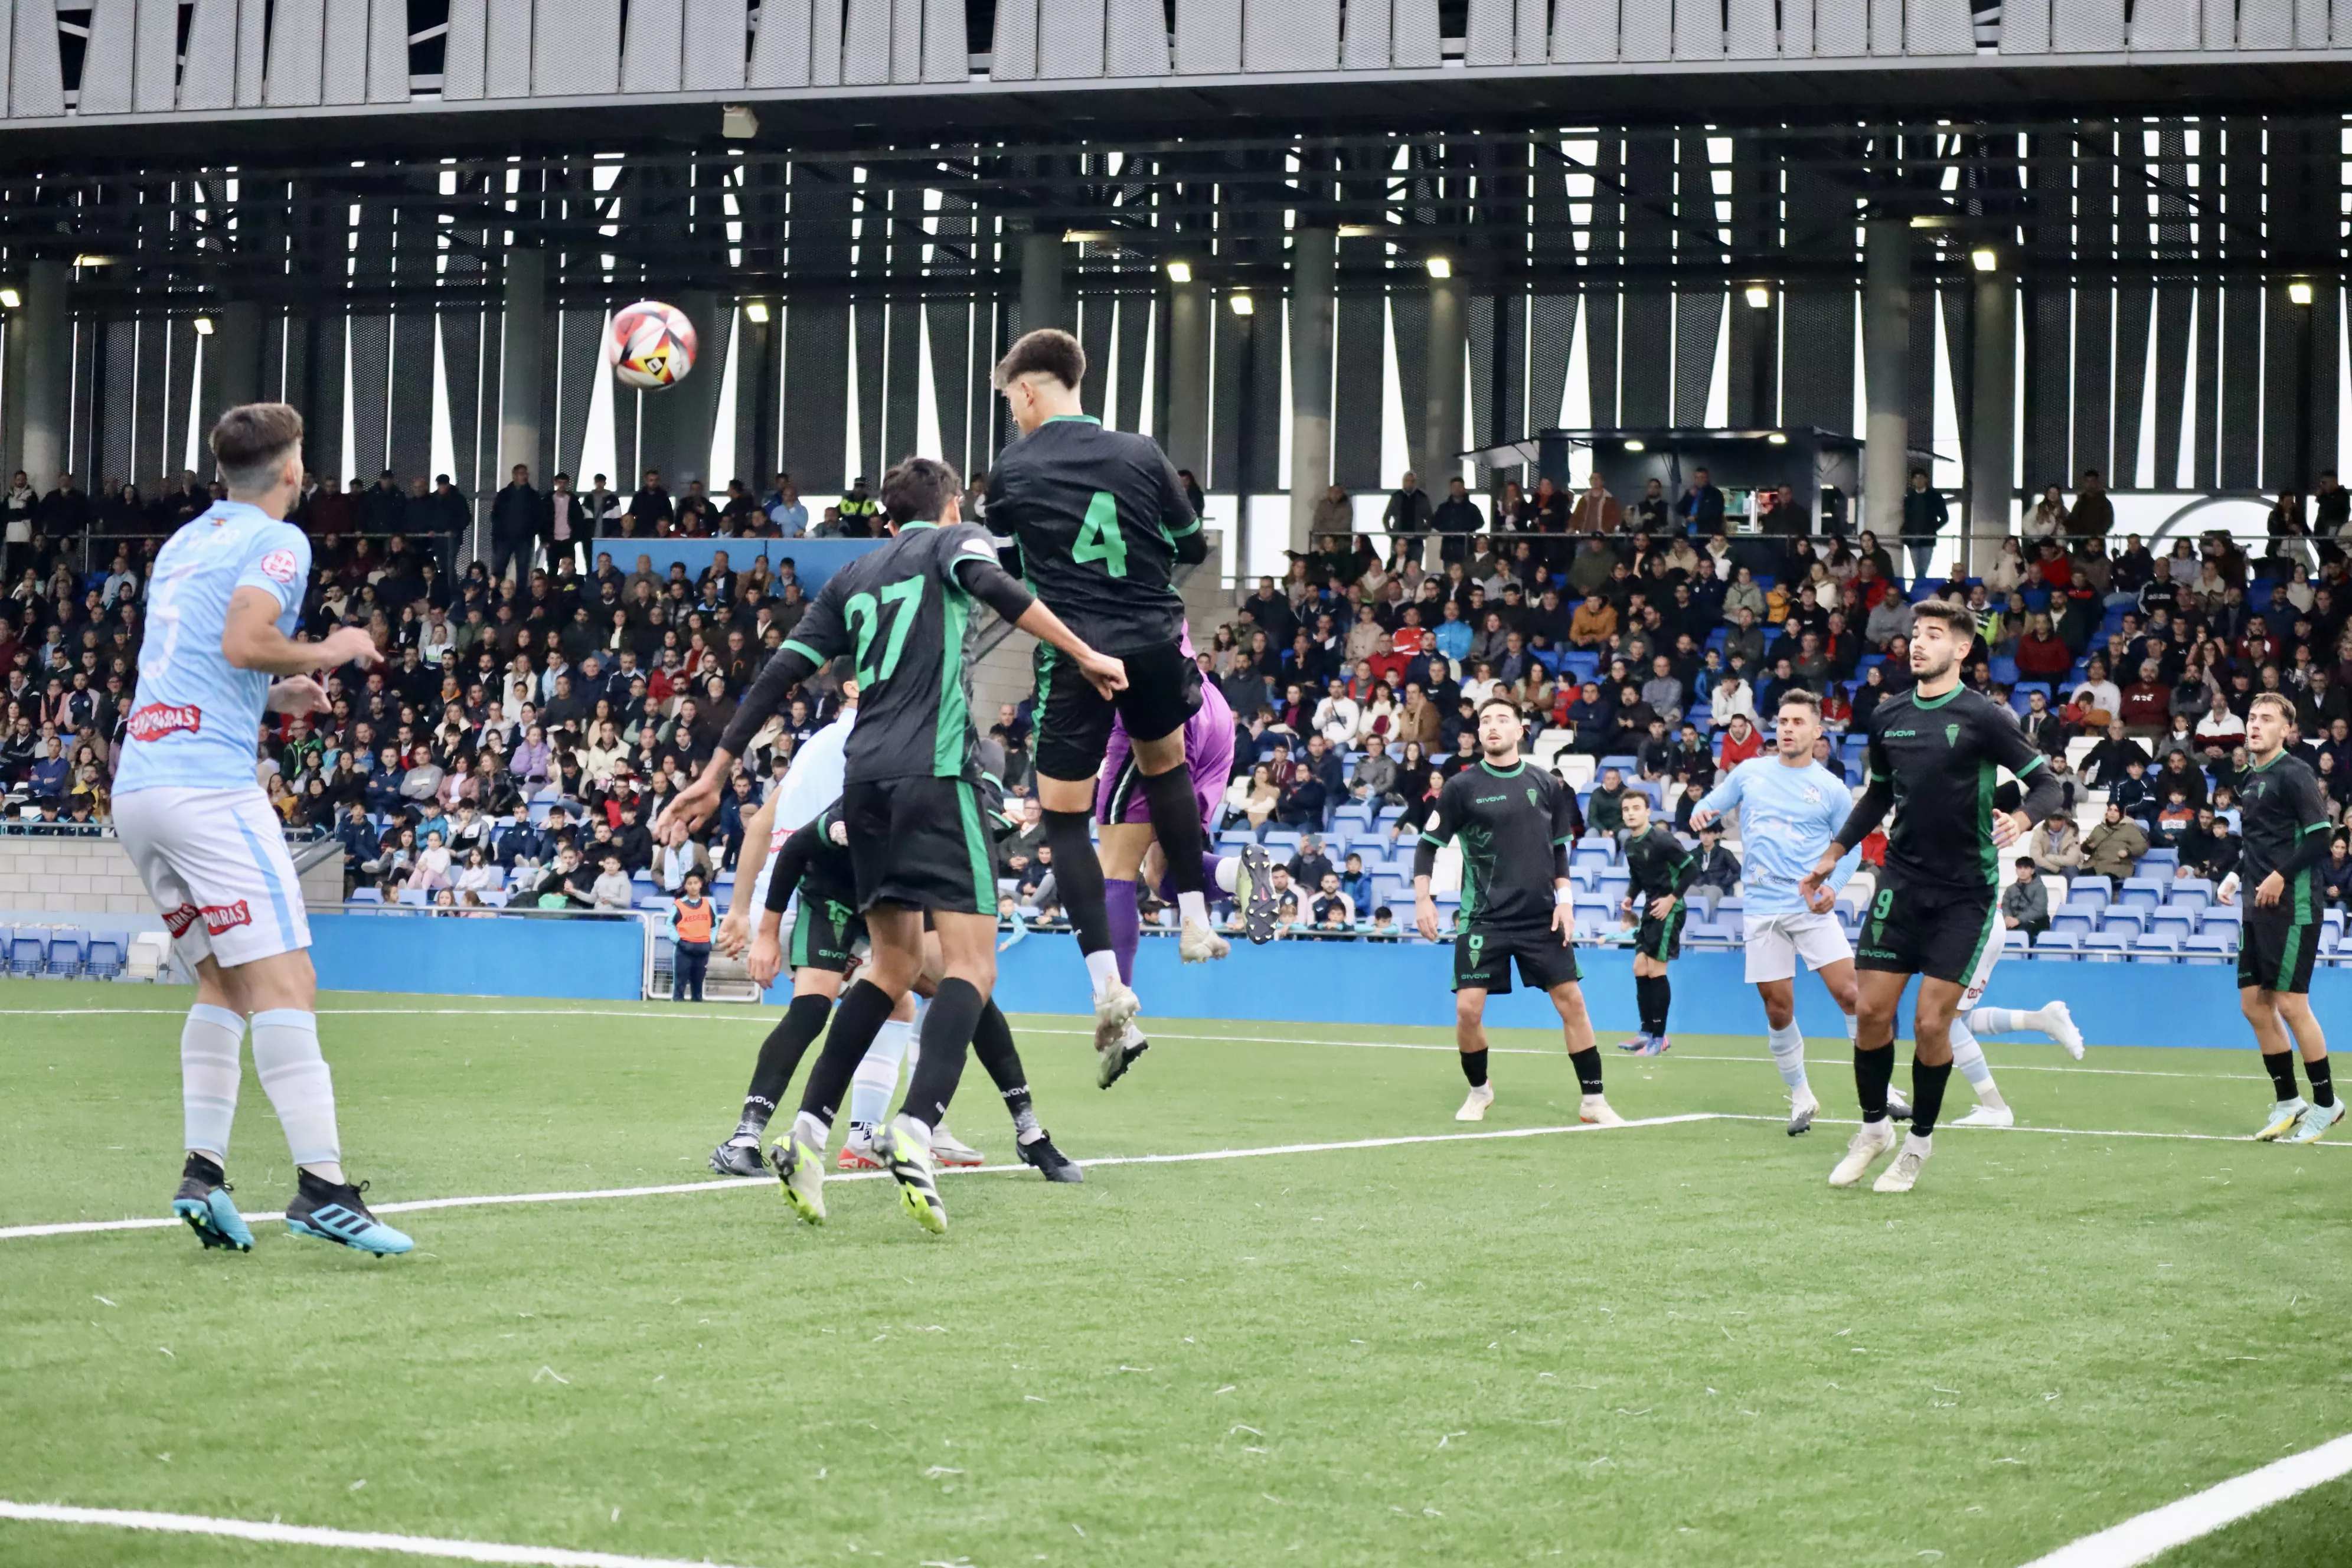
(1759, 296)
(10, 298)
(756, 312)
(1776, 440)
(204, 326)
(1984, 258)
(1180, 272)
(1636, 447)
(1439, 268)
(89, 259)
(2299, 292)
(738, 123)
(1243, 305)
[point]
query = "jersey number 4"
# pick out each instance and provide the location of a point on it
(905, 598)
(1100, 538)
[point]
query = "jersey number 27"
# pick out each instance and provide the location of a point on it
(865, 615)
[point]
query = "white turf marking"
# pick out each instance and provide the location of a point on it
(79, 1228)
(2058, 1132)
(2150, 1536)
(350, 1540)
(708, 1017)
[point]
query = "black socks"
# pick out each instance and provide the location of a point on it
(779, 1056)
(865, 1008)
(1176, 823)
(2323, 1087)
(1873, 1071)
(2281, 1070)
(1927, 1094)
(992, 1042)
(1077, 873)
(1652, 993)
(1473, 1066)
(946, 1038)
(1587, 1063)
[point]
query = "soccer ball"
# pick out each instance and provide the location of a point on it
(651, 345)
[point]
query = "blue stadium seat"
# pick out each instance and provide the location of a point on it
(2210, 947)
(28, 948)
(414, 896)
(2220, 916)
(107, 952)
(2059, 945)
(2131, 921)
(2004, 669)
(2106, 947)
(494, 900)
(2071, 922)
(1596, 853)
(69, 947)
(2189, 892)
(2156, 949)
(2143, 892)
(2016, 943)
(2166, 858)
(367, 896)
(1626, 766)
(2080, 888)
(2179, 926)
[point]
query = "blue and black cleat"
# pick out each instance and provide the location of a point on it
(334, 1212)
(203, 1201)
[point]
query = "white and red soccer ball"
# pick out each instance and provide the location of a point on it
(651, 345)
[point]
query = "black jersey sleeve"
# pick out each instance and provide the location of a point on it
(1877, 798)
(1177, 516)
(2007, 744)
(1444, 824)
(793, 862)
(1567, 817)
(2311, 823)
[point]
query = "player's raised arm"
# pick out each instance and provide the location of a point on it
(1177, 516)
(1877, 800)
(251, 640)
(821, 634)
(2043, 794)
(1444, 823)
(1719, 799)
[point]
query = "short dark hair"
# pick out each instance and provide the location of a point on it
(920, 489)
(1048, 349)
(2025, 862)
(1498, 702)
(250, 441)
(1957, 617)
(1798, 696)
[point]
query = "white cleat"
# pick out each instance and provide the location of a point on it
(1873, 1141)
(1475, 1108)
(1904, 1174)
(948, 1149)
(1802, 1108)
(1595, 1109)
(2060, 1028)
(1115, 1009)
(2284, 1117)
(1989, 1116)
(1196, 943)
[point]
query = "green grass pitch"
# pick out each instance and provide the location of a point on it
(1660, 1346)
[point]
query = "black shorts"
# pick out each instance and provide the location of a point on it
(1163, 691)
(2275, 956)
(1942, 933)
(1483, 955)
(1660, 938)
(922, 842)
(824, 931)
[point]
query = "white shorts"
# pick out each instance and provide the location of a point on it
(215, 861)
(1981, 975)
(1775, 942)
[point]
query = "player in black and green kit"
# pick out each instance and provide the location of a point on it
(1659, 869)
(1102, 522)
(1515, 823)
(2286, 841)
(1935, 753)
(911, 802)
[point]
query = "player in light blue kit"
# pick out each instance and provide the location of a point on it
(1790, 809)
(226, 595)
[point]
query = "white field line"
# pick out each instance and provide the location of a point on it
(350, 1540)
(80, 1227)
(2150, 1536)
(733, 1019)
(2056, 1131)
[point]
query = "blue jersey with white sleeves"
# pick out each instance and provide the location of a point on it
(197, 715)
(1786, 818)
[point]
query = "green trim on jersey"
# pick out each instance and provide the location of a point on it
(911, 527)
(807, 652)
(975, 841)
(1666, 932)
(1976, 953)
(1493, 772)
(1070, 418)
(949, 753)
(800, 938)
(1989, 858)
(1043, 704)
(1920, 701)
(2291, 952)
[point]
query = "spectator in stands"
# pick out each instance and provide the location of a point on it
(1593, 718)
(1741, 741)
(2174, 817)
(1593, 629)
(2333, 880)
(1309, 865)
(1604, 809)
(2092, 515)
(1657, 754)
(2025, 903)
(2147, 701)
(2040, 655)
(1890, 620)
(2208, 848)
(2106, 761)
(2113, 847)
(2179, 771)
(2056, 845)
(1731, 701)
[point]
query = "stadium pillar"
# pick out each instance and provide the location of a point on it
(524, 340)
(1887, 373)
(232, 369)
(1992, 417)
(1041, 282)
(1188, 377)
(47, 325)
(1449, 346)
(1314, 268)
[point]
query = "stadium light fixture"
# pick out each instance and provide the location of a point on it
(2299, 292)
(1243, 305)
(89, 259)
(1776, 440)
(1180, 272)
(1984, 258)
(738, 123)
(10, 298)
(1439, 268)
(1362, 230)
(203, 325)
(1759, 296)
(1636, 447)
(756, 312)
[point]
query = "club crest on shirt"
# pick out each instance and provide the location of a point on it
(158, 720)
(1951, 734)
(280, 566)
